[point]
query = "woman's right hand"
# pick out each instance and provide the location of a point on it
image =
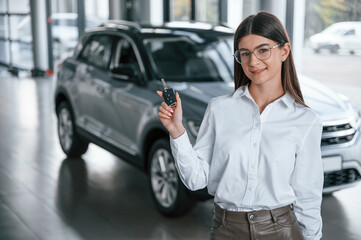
(171, 117)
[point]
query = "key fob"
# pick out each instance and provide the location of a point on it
(169, 97)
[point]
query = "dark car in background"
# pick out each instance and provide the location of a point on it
(106, 94)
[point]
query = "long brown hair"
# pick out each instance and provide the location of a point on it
(269, 26)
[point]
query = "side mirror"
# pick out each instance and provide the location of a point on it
(125, 72)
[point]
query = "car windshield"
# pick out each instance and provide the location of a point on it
(182, 59)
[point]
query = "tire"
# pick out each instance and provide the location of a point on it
(169, 194)
(329, 194)
(334, 49)
(70, 142)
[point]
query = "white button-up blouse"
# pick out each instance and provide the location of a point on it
(251, 161)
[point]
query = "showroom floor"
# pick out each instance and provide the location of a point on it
(44, 195)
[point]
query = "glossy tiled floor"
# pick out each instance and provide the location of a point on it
(44, 195)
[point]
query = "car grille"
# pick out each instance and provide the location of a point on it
(337, 134)
(341, 177)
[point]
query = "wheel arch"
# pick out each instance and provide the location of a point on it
(60, 97)
(150, 138)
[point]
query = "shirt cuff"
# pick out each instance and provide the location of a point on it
(181, 142)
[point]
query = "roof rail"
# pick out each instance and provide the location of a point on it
(121, 24)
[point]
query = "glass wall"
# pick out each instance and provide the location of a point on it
(19, 6)
(207, 10)
(332, 45)
(64, 28)
(3, 6)
(15, 34)
(96, 12)
(65, 23)
(180, 10)
(4, 52)
(204, 10)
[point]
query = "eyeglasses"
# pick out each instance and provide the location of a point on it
(243, 56)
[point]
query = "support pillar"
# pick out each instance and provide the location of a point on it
(251, 7)
(223, 11)
(156, 12)
(297, 31)
(277, 7)
(235, 12)
(81, 17)
(115, 9)
(40, 36)
(292, 15)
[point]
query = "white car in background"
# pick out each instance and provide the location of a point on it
(341, 36)
(65, 31)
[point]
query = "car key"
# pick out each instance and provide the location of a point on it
(168, 95)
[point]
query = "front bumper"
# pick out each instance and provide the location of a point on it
(350, 174)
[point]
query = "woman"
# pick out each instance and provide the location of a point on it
(258, 149)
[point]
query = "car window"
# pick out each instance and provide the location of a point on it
(124, 54)
(181, 59)
(350, 32)
(98, 51)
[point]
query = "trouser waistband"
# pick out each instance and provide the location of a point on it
(249, 217)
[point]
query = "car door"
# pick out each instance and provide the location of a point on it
(93, 84)
(129, 96)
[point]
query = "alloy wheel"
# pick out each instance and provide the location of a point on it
(164, 179)
(65, 128)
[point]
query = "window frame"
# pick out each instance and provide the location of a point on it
(88, 41)
(137, 51)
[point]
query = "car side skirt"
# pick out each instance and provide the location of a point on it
(134, 160)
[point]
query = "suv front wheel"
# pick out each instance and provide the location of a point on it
(71, 143)
(168, 192)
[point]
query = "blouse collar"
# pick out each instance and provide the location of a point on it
(287, 99)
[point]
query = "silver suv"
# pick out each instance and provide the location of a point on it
(106, 94)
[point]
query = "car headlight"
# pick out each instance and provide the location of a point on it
(194, 127)
(344, 97)
(355, 121)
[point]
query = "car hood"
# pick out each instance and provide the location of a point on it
(324, 101)
(203, 91)
(321, 99)
(196, 95)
